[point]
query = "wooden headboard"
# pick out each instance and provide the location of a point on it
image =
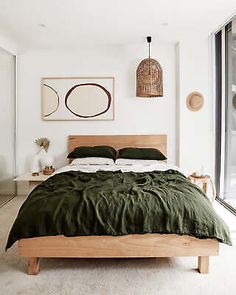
(119, 141)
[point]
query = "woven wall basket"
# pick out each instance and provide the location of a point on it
(149, 83)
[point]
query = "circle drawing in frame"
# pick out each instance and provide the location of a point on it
(88, 100)
(195, 101)
(50, 100)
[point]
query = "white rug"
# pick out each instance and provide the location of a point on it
(164, 276)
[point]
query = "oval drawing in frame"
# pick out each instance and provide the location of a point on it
(88, 100)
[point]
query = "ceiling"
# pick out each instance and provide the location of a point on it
(43, 24)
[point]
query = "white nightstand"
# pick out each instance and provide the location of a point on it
(33, 181)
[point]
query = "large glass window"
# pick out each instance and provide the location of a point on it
(225, 45)
(230, 115)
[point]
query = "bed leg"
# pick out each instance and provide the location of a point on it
(203, 264)
(33, 265)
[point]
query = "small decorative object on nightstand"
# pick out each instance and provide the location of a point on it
(48, 170)
(43, 160)
(35, 167)
(204, 181)
(47, 164)
(35, 173)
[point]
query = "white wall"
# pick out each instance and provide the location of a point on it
(196, 129)
(132, 115)
(187, 68)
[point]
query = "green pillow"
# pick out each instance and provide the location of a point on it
(93, 151)
(141, 153)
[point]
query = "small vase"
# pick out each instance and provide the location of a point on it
(42, 153)
(35, 168)
(47, 160)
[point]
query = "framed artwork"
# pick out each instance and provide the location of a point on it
(80, 98)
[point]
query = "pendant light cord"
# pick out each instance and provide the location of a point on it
(149, 56)
(149, 40)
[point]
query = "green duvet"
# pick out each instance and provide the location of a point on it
(117, 203)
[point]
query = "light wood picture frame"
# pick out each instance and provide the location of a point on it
(77, 98)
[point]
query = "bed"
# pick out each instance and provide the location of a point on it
(121, 246)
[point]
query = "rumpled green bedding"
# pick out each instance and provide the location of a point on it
(117, 203)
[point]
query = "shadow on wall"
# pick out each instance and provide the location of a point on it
(61, 160)
(28, 163)
(131, 79)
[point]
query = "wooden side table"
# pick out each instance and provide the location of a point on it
(204, 181)
(33, 181)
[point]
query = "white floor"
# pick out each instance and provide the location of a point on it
(231, 202)
(228, 217)
(164, 276)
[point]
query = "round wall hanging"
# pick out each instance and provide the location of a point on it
(194, 101)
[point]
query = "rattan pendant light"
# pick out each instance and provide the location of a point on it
(149, 76)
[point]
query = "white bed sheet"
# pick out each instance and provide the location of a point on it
(123, 168)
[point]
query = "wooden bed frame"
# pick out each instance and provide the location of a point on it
(136, 245)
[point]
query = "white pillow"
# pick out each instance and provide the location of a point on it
(122, 161)
(92, 161)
